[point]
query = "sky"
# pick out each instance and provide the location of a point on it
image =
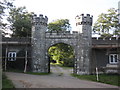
(67, 9)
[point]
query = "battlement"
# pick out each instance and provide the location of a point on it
(39, 20)
(106, 41)
(112, 42)
(106, 38)
(84, 20)
(66, 34)
(62, 33)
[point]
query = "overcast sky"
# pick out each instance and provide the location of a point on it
(67, 9)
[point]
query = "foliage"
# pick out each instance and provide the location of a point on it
(20, 21)
(6, 83)
(62, 54)
(59, 25)
(3, 27)
(107, 24)
(103, 78)
(5, 5)
(2, 8)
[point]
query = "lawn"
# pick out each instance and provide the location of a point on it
(103, 78)
(6, 83)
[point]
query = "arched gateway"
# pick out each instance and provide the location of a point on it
(80, 40)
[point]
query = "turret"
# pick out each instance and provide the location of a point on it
(83, 22)
(39, 20)
(39, 27)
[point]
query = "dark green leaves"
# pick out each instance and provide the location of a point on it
(20, 21)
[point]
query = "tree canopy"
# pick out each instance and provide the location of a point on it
(61, 54)
(107, 24)
(20, 21)
(59, 25)
(4, 6)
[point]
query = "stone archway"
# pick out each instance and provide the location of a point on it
(65, 48)
(80, 40)
(52, 41)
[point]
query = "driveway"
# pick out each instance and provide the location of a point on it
(59, 79)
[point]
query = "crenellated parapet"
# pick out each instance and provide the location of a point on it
(66, 34)
(106, 41)
(84, 20)
(39, 20)
(60, 36)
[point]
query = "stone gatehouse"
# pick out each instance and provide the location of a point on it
(103, 53)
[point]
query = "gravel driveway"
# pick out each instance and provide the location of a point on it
(59, 79)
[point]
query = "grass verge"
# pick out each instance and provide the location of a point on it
(14, 70)
(103, 78)
(6, 83)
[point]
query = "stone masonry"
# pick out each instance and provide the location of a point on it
(39, 64)
(80, 40)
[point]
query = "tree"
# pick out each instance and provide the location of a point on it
(107, 24)
(59, 25)
(4, 5)
(20, 21)
(62, 54)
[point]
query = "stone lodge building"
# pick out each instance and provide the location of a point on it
(103, 53)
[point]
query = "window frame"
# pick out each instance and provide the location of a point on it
(114, 61)
(12, 56)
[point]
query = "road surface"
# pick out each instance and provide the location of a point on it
(60, 78)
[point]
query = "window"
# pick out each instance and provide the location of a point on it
(11, 56)
(113, 58)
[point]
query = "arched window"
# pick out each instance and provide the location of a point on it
(11, 56)
(113, 58)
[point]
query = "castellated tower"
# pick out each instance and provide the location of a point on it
(83, 24)
(39, 27)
